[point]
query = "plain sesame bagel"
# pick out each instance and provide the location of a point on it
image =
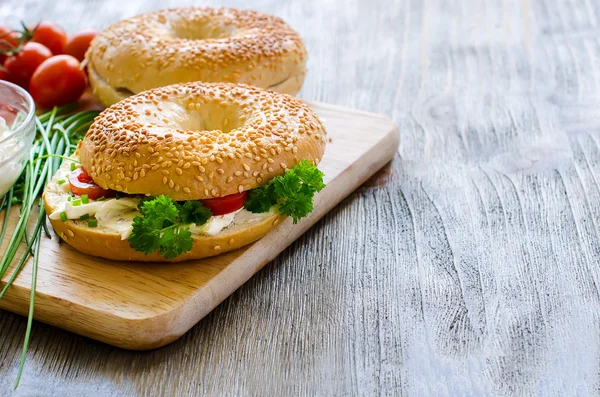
(195, 44)
(200, 140)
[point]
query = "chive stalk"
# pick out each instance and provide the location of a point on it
(57, 134)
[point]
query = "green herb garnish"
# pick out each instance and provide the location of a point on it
(84, 217)
(57, 133)
(162, 226)
(92, 222)
(291, 192)
(76, 203)
(85, 199)
(60, 181)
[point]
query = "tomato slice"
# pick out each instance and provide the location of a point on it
(82, 183)
(227, 204)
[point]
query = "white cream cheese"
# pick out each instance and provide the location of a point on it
(214, 224)
(4, 130)
(10, 167)
(116, 215)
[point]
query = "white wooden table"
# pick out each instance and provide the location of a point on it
(468, 267)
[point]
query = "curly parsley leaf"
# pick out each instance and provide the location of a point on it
(160, 228)
(292, 192)
(160, 209)
(174, 242)
(145, 236)
(193, 212)
(259, 200)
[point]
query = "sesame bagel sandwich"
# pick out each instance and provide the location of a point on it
(187, 171)
(180, 45)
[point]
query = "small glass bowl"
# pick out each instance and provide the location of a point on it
(18, 110)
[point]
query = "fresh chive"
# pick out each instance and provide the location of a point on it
(101, 198)
(84, 217)
(60, 181)
(57, 134)
(92, 222)
(85, 199)
(76, 203)
(119, 195)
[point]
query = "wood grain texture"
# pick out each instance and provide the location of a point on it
(469, 267)
(143, 306)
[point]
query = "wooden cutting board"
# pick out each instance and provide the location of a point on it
(144, 306)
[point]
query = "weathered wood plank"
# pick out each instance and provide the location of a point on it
(468, 267)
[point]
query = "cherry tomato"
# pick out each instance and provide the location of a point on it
(3, 75)
(10, 38)
(79, 43)
(51, 35)
(20, 67)
(57, 81)
(227, 204)
(81, 183)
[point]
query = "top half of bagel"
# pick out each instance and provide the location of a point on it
(195, 44)
(200, 140)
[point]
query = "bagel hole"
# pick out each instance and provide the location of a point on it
(192, 116)
(201, 30)
(217, 116)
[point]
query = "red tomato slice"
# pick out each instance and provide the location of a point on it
(82, 183)
(227, 204)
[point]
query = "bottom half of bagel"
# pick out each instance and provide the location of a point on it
(108, 242)
(109, 95)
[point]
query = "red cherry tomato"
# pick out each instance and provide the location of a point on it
(51, 35)
(81, 183)
(3, 75)
(57, 81)
(20, 67)
(79, 43)
(227, 204)
(8, 40)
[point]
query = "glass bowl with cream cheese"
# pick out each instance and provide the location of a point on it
(17, 131)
